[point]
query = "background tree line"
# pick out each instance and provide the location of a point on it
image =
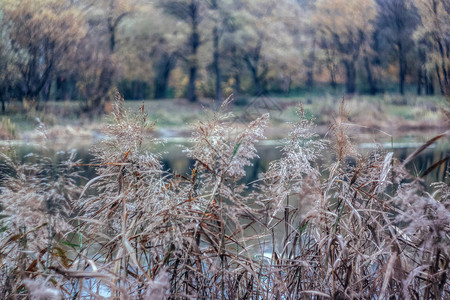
(80, 49)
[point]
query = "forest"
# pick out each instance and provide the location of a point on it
(81, 49)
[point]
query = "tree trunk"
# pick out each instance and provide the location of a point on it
(402, 73)
(161, 84)
(310, 78)
(163, 70)
(252, 60)
(193, 63)
(59, 93)
(444, 57)
(425, 83)
(288, 83)
(191, 95)
(446, 84)
(35, 78)
(46, 90)
(310, 66)
(429, 86)
(439, 79)
(370, 79)
(112, 39)
(419, 81)
(72, 92)
(237, 84)
(350, 76)
(444, 72)
(95, 104)
(333, 82)
(253, 67)
(3, 97)
(216, 63)
(256, 81)
(331, 68)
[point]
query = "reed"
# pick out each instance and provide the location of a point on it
(358, 227)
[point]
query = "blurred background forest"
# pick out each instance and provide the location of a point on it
(80, 49)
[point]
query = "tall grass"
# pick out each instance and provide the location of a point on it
(358, 227)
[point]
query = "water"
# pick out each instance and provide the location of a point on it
(174, 159)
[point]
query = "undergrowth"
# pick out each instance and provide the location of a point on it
(358, 227)
(7, 129)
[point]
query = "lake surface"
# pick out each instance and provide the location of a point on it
(174, 159)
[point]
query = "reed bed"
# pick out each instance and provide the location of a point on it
(357, 227)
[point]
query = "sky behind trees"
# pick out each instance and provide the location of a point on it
(81, 49)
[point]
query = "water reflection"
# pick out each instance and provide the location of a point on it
(175, 160)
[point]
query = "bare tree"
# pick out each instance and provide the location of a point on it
(396, 22)
(189, 12)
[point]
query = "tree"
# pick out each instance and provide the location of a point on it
(254, 44)
(8, 62)
(46, 34)
(115, 12)
(434, 36)
(166, 46)
(191, 13)
(164, 62)
(344, 26)
(305, 38)
(396, 21)
(218, 21)
(99, 64)
(424, 77)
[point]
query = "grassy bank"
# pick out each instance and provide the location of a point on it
(357, 226)
(389, 113)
